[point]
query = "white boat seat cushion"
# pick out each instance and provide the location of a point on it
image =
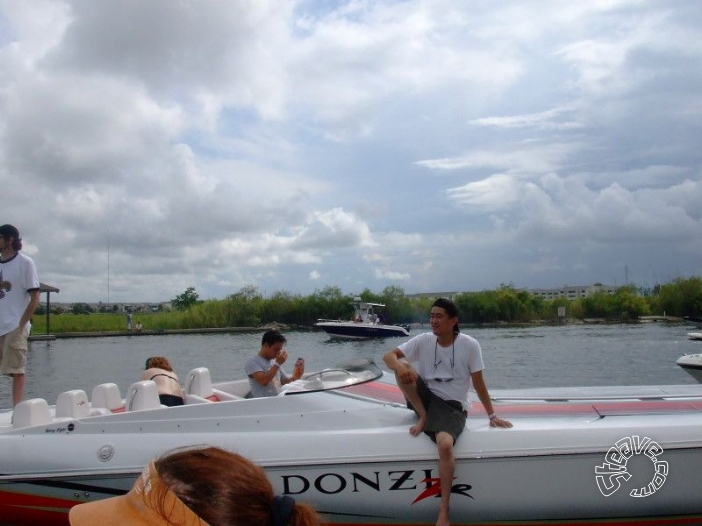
(106, 396)
(198, 388)
(199, 383)
(142, 396)
(30, 413)
(72, 404)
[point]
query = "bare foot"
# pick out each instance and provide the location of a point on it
(417, 428)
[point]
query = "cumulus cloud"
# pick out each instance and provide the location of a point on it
(436, 145)
(334, 228)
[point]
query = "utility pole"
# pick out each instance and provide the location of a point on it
(108, 271)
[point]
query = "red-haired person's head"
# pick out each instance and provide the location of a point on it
(158, 362)
(198, 487)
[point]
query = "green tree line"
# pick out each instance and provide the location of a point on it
(249, 308)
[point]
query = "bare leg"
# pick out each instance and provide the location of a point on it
(410, 392)
(17, 388)
(447, 465)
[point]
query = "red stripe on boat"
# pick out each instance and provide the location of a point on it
(392, 393)
(21, 509)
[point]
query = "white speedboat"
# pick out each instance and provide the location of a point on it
(365, 324)
(694, 335)
(339, 440)
(692, 365)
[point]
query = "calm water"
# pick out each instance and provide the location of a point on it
(514, 358)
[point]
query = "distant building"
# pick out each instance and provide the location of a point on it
(121, 308)
(572, 292)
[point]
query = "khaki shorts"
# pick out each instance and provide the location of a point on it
(13, 352)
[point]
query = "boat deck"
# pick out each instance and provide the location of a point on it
(594, 401)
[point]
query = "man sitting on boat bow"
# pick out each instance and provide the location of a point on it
(447, 363)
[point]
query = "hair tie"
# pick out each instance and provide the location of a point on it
(282, 508)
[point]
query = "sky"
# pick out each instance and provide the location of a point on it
(150, 146)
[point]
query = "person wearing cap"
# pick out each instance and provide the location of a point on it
(447, 362)
(264, 370)
(205, 486)
(19, 297)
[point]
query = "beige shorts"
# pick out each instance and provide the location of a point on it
(13, 352)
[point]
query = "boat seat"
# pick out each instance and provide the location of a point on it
(72, 404)
(199, 390)
(33, 412)
(107, 396)
(142, 396)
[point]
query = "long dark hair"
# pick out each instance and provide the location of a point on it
(450, 308)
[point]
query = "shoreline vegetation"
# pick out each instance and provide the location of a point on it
(288, 328)
(248, 310)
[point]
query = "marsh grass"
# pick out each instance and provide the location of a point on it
(100, 322)
(208, 314)
(248, 308)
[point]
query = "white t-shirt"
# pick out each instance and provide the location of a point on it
(453, 364)
(259, 363)
(17, 277)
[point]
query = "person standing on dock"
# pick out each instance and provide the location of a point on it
(447, 363)
(19, 297)
(264, 370)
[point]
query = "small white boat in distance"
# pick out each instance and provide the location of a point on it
(694, 335)
(364, 324)
(692, 365)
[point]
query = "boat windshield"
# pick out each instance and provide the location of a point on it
(343, 375)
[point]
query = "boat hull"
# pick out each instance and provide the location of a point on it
(361, 331)
(555, 488)
(486, 491)
(692, 365)
(349, 453)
